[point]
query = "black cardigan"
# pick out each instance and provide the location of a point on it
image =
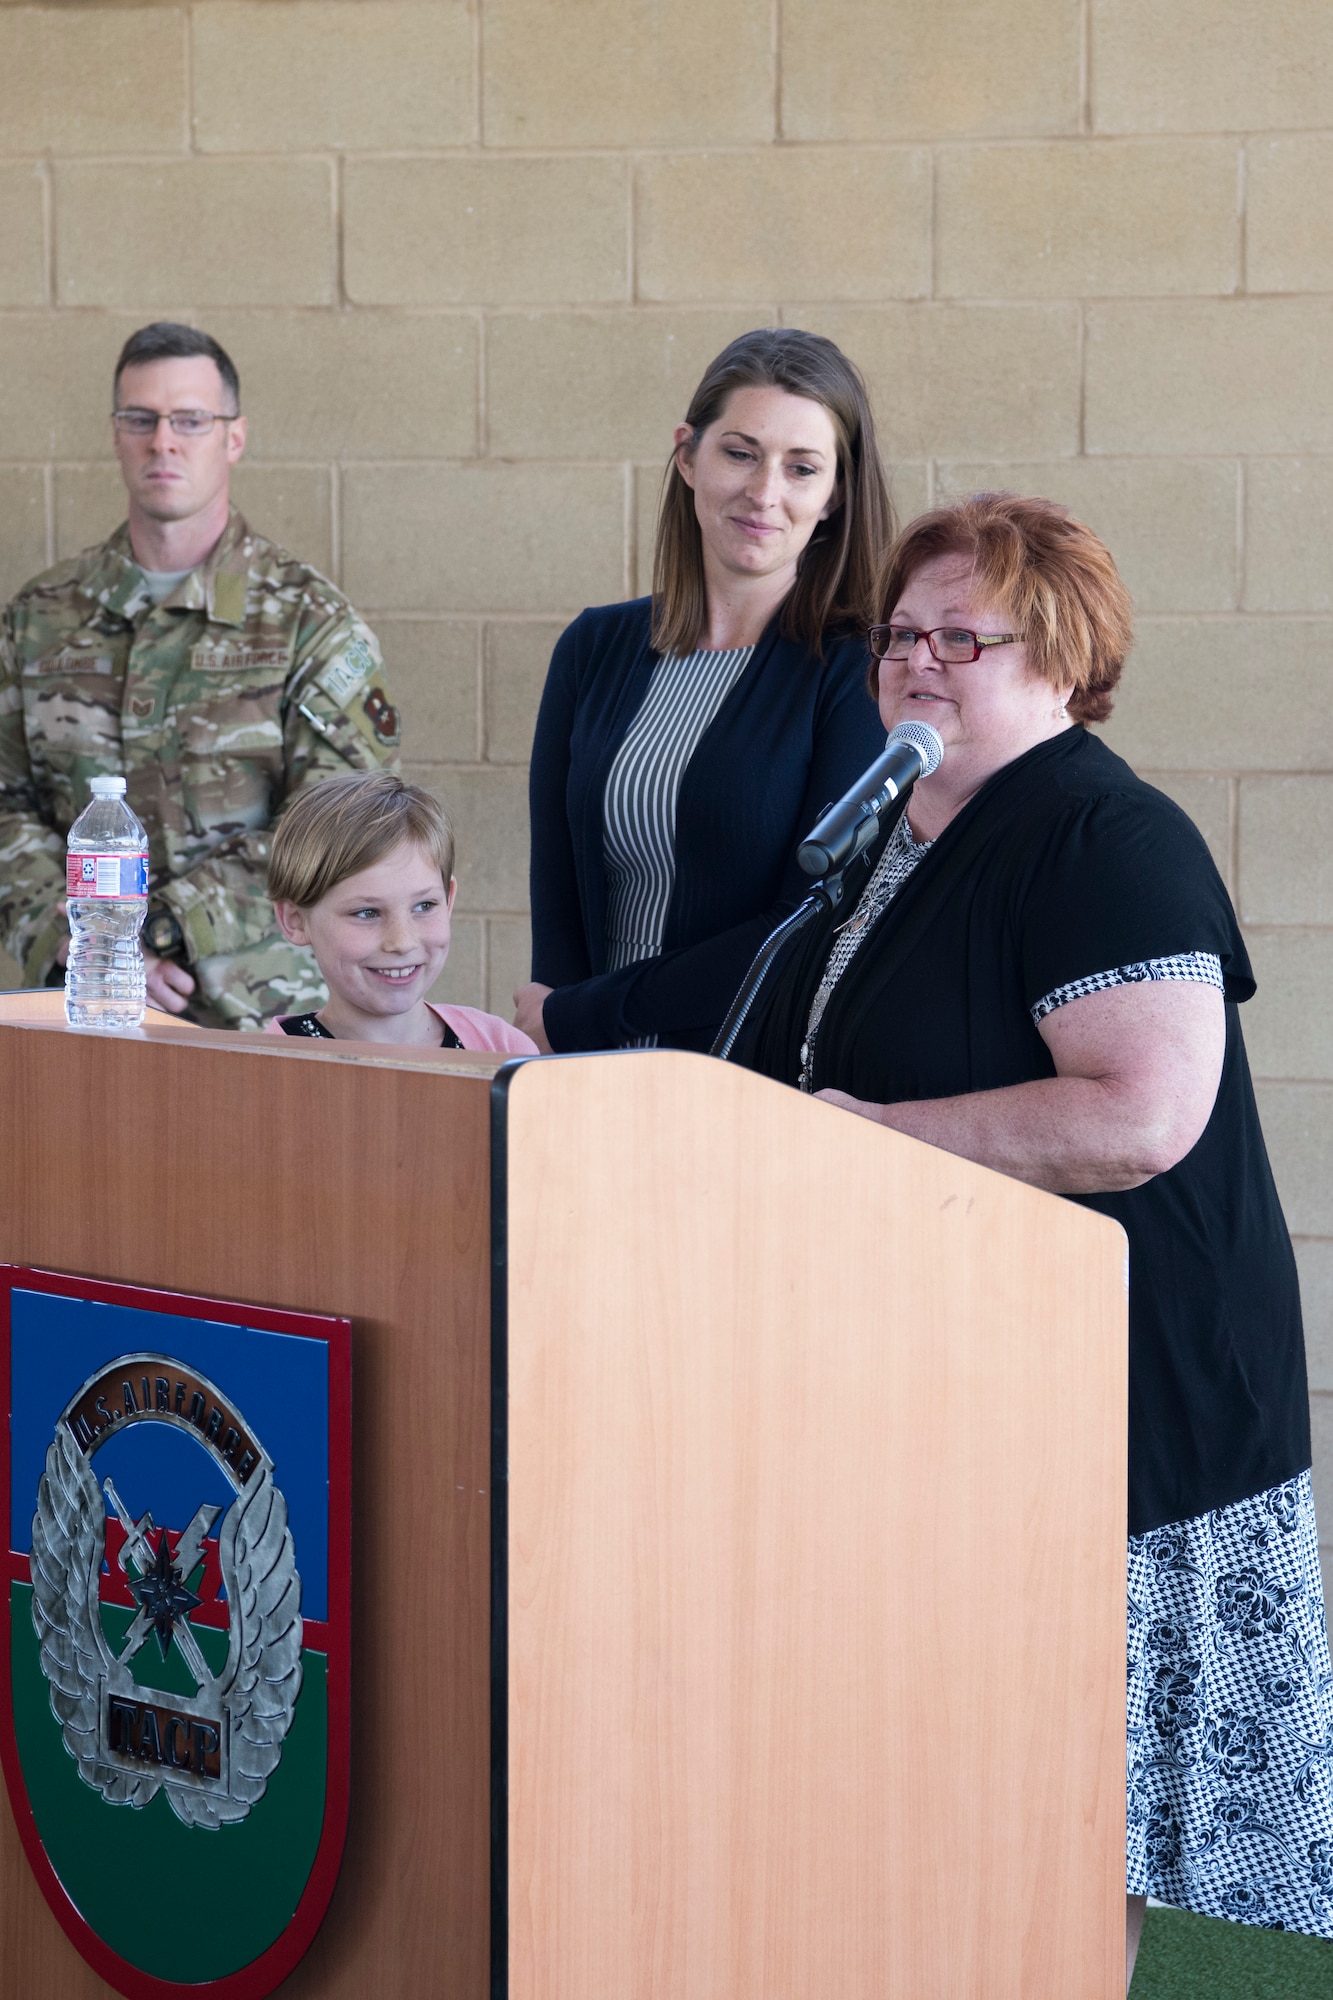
(793, 734)
(1065, 866)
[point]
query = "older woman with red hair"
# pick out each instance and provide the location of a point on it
(1042, 972)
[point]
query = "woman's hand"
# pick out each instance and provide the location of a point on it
(856, 1104)
(528, 1004)
(1137, 1070)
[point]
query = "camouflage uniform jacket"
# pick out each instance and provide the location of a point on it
(254, 678)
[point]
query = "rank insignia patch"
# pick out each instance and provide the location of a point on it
(174, 1476)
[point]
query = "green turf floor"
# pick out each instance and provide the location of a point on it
(1185, 1957)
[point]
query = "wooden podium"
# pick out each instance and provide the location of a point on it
(788, 1661)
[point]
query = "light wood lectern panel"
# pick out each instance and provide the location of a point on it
(815, 1555)
(786, 1663)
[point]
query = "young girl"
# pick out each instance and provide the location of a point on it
(361, 870)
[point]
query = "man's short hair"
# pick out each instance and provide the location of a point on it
(344, 824)
(168, 340)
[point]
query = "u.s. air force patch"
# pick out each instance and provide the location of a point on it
(177, 1605)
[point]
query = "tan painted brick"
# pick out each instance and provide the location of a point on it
(1289, 534)
(517, 657)
(92, 80)
(510, 940)
(351, 385)
(332, 73)
(1204, 695)
(647, 498)
(1288, 1024)
(601, 73)
(1210, 65)
(1169, 523)
(597, 385)
(1207, 800)
(828, 223)
(1286, 850)
(463, 980)
(213, 232)
(509, 232)
(861, 70)
(1185, 375)
(90, 504)
(291, 504)
(434, 668)
(1057, 220)
(1298, 1127)
(488, 805)
(909, 490)
(22, 235)
(22, 526)
(55, 382)
(463, 539)
(954, 381)
(1288, 236)
(1314, 1261)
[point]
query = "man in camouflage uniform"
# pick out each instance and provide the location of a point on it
(207, 665)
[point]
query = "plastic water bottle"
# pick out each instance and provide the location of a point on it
(106, 879)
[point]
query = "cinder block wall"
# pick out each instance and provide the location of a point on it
(471, 254)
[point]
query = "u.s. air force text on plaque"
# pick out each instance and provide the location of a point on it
(178, 1538)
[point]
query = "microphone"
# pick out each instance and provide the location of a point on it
(913, 751)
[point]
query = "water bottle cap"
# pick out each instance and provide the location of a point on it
(107, 788)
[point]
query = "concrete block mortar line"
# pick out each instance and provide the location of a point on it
(1239, 585)
(630, 533)
(1242, 219)
(336, 520)
(478, 112)
(1233, 839)
(775, 32)
(49, 510)
(1085, 67)
(341, 300)
(48, 231)
(932, 223)
(483, 438)
(191, 142)
(1082, 339)
(632, 228)
(483, 717)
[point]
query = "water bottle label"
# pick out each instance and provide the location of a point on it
(106, 875)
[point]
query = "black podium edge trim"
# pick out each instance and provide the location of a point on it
(499, 1691)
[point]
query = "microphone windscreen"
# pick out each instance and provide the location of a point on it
(927, 742)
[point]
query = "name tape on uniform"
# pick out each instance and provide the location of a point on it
(237, 659)
(73, 660)
(106, 875)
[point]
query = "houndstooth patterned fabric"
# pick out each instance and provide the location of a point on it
(1203, 966)
(1230, 1710)
(895, 864)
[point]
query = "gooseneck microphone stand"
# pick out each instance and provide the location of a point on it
(825, 895)
(914, 750)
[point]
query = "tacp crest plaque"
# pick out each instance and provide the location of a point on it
(174, 1719)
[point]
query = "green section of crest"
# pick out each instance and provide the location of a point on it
(175, 1901)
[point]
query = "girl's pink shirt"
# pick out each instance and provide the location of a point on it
(474, 1030)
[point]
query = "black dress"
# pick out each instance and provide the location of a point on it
(1066, 874)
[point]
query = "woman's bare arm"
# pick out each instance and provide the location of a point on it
(1137, 1070)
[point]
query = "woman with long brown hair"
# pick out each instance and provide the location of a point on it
(687, 741)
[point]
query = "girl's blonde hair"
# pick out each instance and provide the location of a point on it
(342, 825)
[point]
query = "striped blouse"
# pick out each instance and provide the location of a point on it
(642, 787)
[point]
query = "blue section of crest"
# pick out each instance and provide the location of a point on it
(278, 1382)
